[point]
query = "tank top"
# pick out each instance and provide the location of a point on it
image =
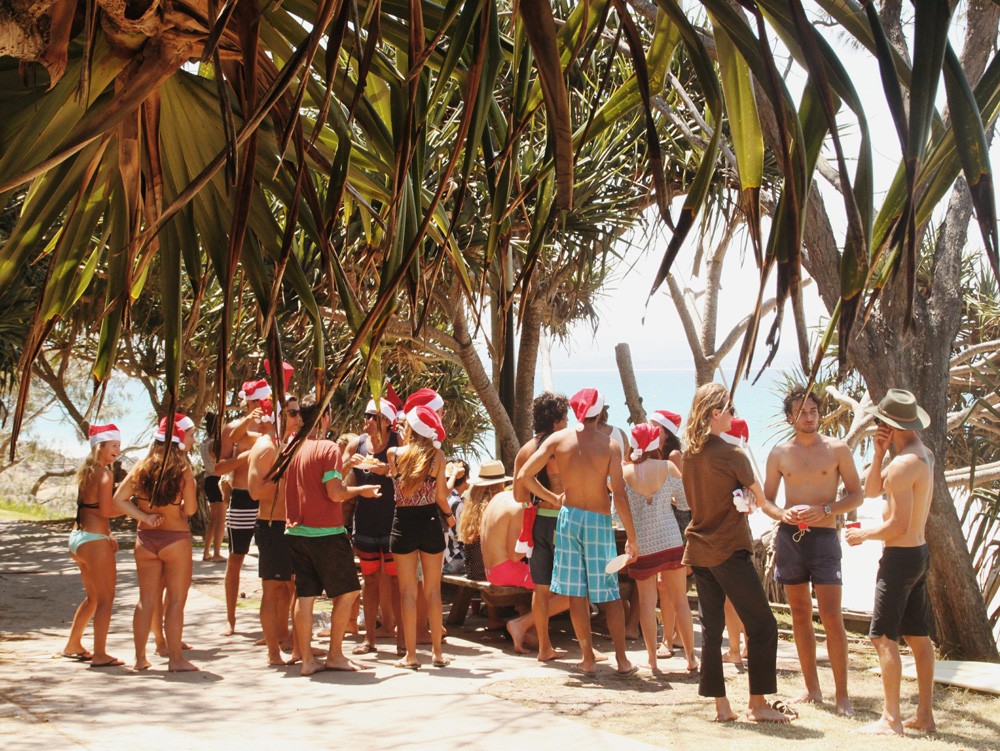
(373, 516)
(424, 495)
(656, 527)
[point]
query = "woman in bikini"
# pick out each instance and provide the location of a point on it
(421, 492)
(93, 548)
(160, 493)
(651, 484)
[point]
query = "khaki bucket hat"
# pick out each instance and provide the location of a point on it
(899, 409)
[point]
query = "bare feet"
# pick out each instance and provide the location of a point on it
(343, 665)
(181, 666)
(229, 629)
(383, 632)
(517, 633)
(767, 713)
(924, 725)
(724, 712)
(844, 708)
(551, 654)
(260, 643)
(218, 558)
(323, 633)
(882, 726)
(424, 637)
(808, 697)
(600, 656)
(664, 652)
(632, 635)
(312, 666)
(142, 664)
(733, 658)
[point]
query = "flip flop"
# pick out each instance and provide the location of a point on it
(630, 671)
(441, 663)
(785, 709)
(76, 656)
(581, 671)
(112, 664)
(365, 649)
(664, 654)
(407, 665)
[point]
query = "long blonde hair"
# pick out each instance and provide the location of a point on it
(89, 469)
(413, 465)
(471, 521)
(708, 397)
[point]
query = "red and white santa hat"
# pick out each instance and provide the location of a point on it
(738, 434)
(670, 421)
(101, 433)
(587, 403)
(384, 408)
(287, 371)
(423, 398)
(644, 437)
(182, 421)
(425, 422)
(254, 391)
(393, 398)
(161, 433)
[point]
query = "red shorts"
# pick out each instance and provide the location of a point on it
(510, 574)
(373, 561)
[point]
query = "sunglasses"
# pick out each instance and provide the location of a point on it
(292, 412)
(371, 415)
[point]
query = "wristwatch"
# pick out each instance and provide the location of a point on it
(827, 510)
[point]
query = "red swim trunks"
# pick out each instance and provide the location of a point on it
(510, 574)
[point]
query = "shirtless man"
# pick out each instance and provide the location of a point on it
(585, 538)
(274, 558)
(238, 437)
(549, 413)
(812, 466)
(901, 605)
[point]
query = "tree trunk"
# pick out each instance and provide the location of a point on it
(636, 412)
(506, 437)
(527, 363)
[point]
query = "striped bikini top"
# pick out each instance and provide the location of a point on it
(424, 495)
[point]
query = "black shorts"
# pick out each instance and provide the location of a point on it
(323, 564)
(901, 606)
(274, 561)
(212, 490)
(241, 517)
(814, 558)
(416, 528)
(543, 552)
(683, 518)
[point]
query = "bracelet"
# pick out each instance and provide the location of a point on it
(449, 516)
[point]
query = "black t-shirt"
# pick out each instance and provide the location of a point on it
(373, 516)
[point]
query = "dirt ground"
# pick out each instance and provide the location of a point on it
(504, 696)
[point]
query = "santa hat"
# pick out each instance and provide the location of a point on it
(738, 434)
(267, 407)
(644, 437)
(669, 421)
(254, 391)
(384, 407)
(287, 371)
(587, 403)
(525, 544)
(183, 421)
(161, 433)
(425, 422)
(393, 398)
(100, 433)
(424, 398)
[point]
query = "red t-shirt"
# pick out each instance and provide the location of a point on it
(306, 501)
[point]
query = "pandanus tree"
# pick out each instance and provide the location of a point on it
(242, 137)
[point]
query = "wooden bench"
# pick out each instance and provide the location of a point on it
(491, 594)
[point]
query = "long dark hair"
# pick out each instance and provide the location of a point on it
(159, 476)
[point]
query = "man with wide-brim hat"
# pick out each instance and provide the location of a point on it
(901, 604)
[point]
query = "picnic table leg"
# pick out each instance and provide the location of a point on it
(460, 607)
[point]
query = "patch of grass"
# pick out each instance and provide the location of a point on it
(26, 511)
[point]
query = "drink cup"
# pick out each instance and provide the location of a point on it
(740, 501)
(853, 525)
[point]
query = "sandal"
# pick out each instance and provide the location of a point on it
(783, 707)
(364, 649)
(407, 665)
(442, 663)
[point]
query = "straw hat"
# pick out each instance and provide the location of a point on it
(899, 409)
(490, 473)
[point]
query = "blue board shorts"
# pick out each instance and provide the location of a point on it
(585, 542)
(814, 558)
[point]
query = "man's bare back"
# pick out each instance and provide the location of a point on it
(263, 454)
(585, 459)
(501, 525)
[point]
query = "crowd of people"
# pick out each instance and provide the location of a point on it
(387, 504)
